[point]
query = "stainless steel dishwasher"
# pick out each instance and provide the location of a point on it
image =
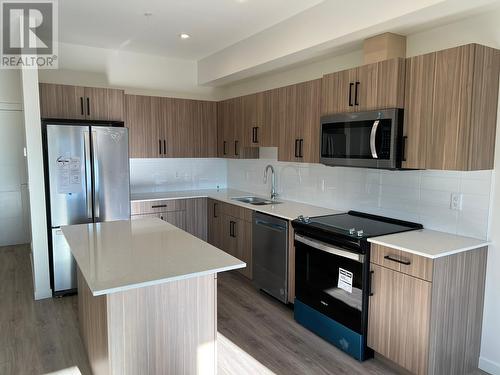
(270, 255)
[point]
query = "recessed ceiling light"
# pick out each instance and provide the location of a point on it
(184, 36)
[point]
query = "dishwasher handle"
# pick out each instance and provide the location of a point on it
(272, 226)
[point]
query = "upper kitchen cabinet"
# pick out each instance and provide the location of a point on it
(104, 104)
(234, 118)
(140, 124)
(81, 103)
(162, 127)
(261, 119)
(368, 87)
(299, 121)
(62, 101)
(451, 108)
(225, 129)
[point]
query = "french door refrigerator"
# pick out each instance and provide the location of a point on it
(87, 181)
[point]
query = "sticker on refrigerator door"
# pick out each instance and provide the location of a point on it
(345, 280)
(69, 175)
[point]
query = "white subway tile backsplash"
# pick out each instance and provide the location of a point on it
(420, 196)
(156, 175)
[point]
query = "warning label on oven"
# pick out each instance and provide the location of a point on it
(345, 280)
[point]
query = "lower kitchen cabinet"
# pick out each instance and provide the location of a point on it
(429, 323)
(230, 229)
(186, 214)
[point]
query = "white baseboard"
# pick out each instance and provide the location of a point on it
(490, 367)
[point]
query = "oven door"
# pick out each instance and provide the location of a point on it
(366, 139)
(330, 280)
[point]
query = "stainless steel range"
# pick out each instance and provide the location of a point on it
(332, 282)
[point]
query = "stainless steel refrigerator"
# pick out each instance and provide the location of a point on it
(87, 180)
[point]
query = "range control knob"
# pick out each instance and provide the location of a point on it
(352, 231)
(307, 219)
(360, 233)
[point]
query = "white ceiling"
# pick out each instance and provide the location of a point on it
(212, 24)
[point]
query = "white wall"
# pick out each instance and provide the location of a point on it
(159, 175)
(14, 204)
(39, 244)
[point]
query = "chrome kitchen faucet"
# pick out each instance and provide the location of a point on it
(274, 194)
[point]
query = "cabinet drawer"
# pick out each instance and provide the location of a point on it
(397, 260)
(141, 208)
(232, 210)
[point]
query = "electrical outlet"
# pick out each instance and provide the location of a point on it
(456, 201)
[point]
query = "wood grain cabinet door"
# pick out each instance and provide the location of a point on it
(419, 91)
(380, 85)
(338, 92)
(225, 129)
(62, 101)
(104, 104)
(307, 126)
(399, 318)
(447, 140)
(249, 121)
(269, 117)
(139, 121)
(214, 223)
(243, 233)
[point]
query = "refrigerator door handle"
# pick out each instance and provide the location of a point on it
(96, 174)
(88, 179)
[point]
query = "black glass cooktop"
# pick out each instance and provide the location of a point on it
(358, 224)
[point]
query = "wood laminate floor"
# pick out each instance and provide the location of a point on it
(257, 335)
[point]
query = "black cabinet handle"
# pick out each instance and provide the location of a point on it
(231, 228)
(164, 147)
(159, 146)
(371, 282)
(81, 106)
(88, 106)
(405, 262)
(236, 151)
(350, 93)
(403, 148)
(234, 229)
(301, 148)
(159, 206)
(215, 210)
(255, 136)
(224, 148)
(356, 102)
(297, 148)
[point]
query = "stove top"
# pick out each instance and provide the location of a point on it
(356, 224)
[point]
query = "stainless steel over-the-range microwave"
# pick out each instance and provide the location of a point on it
(371, 139)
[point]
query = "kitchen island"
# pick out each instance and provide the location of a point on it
(147, 297)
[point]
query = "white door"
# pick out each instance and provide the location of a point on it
(14, 205)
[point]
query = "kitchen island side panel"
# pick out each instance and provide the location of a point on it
(168, 328)
(92, 318)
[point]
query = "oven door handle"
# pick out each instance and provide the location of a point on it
(319, 245)
(373, 136)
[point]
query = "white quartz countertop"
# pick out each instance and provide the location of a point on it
(429, 243)
(289, 210)
(121, 255)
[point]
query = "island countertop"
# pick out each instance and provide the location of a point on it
(122, 255)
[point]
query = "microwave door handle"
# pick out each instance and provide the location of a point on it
(373, 137)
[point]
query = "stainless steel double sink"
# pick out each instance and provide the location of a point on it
(256, 201)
